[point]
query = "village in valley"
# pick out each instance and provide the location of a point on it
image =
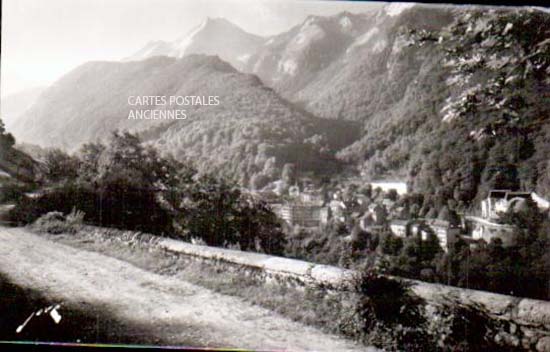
(276, 175)
(387, 207)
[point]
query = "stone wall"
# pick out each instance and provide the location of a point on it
(522, 323)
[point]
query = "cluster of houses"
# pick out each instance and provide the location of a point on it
(308, 207)
(313, 208)
(474, 229)
(487, 226)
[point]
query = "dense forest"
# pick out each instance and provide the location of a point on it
(125, 184)
(476, 117)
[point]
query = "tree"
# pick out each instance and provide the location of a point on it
(210, 211)
(259, 228)
(218, 213)
(392, 195)
(391, 244)
(408, 262)
(525, 215)
(6, 139)
(430, 247)
(367, 190)
(123, 183)
(89, 155)
(126, 159)
(60, 166)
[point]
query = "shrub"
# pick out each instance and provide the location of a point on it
(55, 222)
(323, 247)
(11, 193)
(467, 328)
(388, 315)
(75, 218)
(117, 206)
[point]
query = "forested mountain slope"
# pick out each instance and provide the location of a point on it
(253, 131)
(453, 99)
(476, 115)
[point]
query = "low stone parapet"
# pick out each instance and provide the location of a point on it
(525, 323)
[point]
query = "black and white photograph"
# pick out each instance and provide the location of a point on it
(274, 175)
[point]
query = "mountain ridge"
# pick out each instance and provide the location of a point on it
(403, 92)
(251, 128)
(214, 36)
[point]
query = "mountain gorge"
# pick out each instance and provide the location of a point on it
(452, 99)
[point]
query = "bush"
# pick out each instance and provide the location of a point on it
(55, 222)
(388, 315)
(12, 193)
(323, 247)
(467, 328)
(117, 206)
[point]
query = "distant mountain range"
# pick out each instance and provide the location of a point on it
(214, 36)
(347, 65)
(453, 99)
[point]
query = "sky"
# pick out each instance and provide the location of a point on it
(43, 40)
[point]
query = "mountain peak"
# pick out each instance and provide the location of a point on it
(396, 8)
(218, 20)
(213, 36)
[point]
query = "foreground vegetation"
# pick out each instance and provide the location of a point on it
(127, 185)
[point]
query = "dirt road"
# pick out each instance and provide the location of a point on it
(177, 310)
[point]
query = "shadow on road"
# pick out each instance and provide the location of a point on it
(85, 324)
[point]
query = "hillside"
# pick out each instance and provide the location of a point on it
(348, 66)
(15, 165)
(16, 104)
(476, 113)
(290, 61)
(252, 131)
(438, 90)
(452, 99)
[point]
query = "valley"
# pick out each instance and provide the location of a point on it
(406, 143)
